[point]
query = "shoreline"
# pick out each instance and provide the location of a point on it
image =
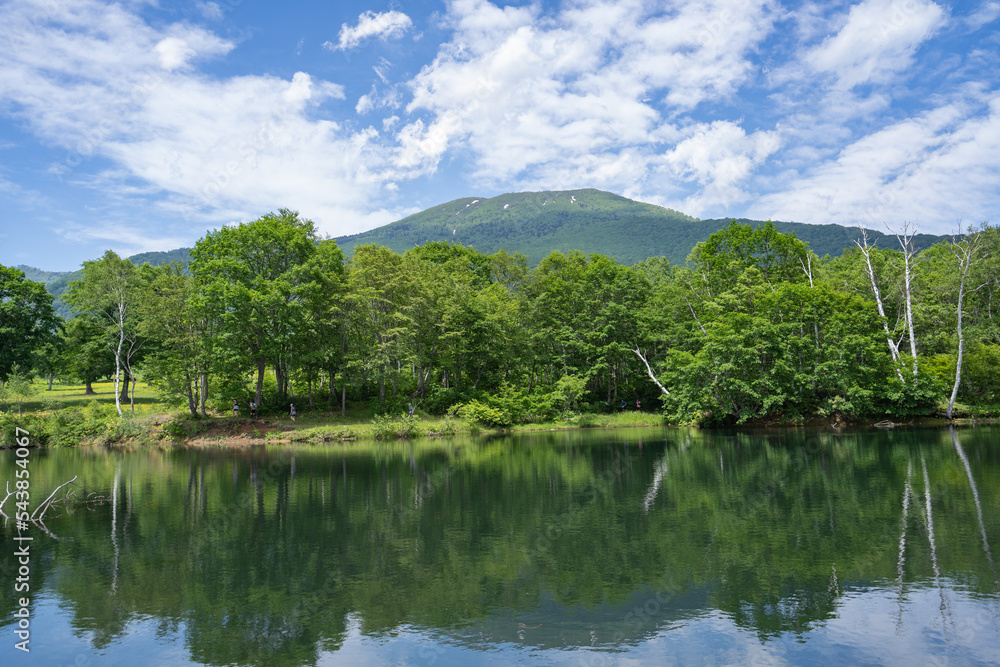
(173, 429)
(221, 433)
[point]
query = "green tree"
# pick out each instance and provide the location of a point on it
(179, 333)
(110, 290)
(730, 251)
(256, 278)
(378, 286)
(86, 356)
(27, 320)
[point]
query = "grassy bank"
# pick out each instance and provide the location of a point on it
(319, 427)
(67, 416)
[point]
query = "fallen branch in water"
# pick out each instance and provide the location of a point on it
(48, 501)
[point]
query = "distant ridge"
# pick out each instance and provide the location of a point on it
(536, 223)
(57, 282)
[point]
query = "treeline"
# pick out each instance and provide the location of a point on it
(755, 327)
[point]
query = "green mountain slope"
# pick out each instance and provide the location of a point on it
(536, 223)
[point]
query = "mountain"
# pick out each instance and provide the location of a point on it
(536, 223)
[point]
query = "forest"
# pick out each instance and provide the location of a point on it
(753, 328)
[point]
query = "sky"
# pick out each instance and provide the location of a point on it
(138, 126)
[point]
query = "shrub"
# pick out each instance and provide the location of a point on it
(385, 427)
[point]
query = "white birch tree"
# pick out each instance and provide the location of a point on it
(109, 290)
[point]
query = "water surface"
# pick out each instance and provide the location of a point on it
(651, 546)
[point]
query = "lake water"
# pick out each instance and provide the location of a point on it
(651, 546)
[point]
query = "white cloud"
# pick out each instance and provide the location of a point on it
(720, 157)
(576, 97)
(123, 239)
(210, 10)
(936, 169)
(692, 105)
(986, 13)
(878, 40)
(173, 52)
(371, 24)
(211, 149)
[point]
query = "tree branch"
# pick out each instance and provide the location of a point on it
(650, 371)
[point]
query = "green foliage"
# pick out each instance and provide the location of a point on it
(16, 388)
(757, 329)
(507, 407)
(485, 414)
(182, 426)
(404, 426)
(568, 391)
(68, 427)
(439, 400)
(27, 320)
(981, 374)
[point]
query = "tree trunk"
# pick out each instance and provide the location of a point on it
(906, 242)
(260, 379)
(118, 369)
(961, 349)
(123, 386)
(89, 391)
(649, 371)
(203, 391)
(279, 378)
(192, 406)
(965, 256)
(893, 349)
(381, 386)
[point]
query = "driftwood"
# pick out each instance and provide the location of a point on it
(48, 501)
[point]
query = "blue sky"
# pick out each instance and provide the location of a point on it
(138, 126)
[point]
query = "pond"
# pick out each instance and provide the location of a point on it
(605, 547)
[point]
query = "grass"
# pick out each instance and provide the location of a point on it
(166, 422)
(73, 395)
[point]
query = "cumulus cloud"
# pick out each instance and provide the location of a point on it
(878, 39)
(715, 108)
(212, 149)
(720, 157)
(586, 95)
(935, 169)
(371, 24)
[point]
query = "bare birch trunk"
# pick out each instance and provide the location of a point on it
(965, 251)
(893, 349)
(118, 369)
(650, 371)
(905, 239)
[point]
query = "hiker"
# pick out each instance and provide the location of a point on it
(236, 408)
(411, 409)
(638, 405)
(293, 412)
(253, 410)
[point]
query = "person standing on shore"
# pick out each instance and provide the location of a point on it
(236, 408)
(293, 412)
